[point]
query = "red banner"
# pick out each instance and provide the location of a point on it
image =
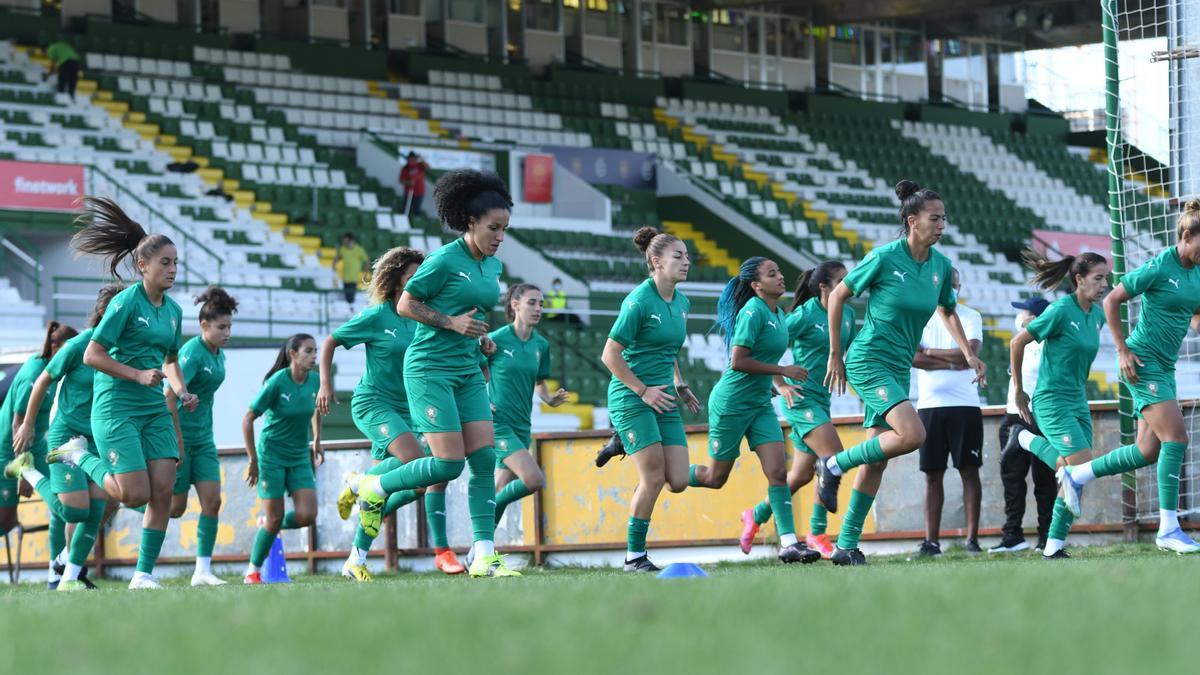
(1070, 243)
(36, 186)
(539, 178)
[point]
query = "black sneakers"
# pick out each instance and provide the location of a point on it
(798, 553)
(849, 557)
(613, 448)
(1061, 554)
(827, 486)
(1010, 545)
(929, 549)
(972, 547)
(641, 564)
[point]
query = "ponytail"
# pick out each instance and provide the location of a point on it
(111, 234)
(735, 296)
(1049, 274)
(103, 297)
(284, 358)
(56, 335)
(808, 286)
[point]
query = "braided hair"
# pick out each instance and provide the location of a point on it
(737, 293)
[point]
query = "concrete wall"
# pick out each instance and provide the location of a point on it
(674, 61)
(603, 50)
(239, 16)
(471, 37)
(405, 32)
(797, 74)
(72, 8)
(163, 10)
(543, 48)
(329, 23)
(729, 64)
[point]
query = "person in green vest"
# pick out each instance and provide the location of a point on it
(64, 61)
(353, 258)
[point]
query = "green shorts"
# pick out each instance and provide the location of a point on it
(129, 443)
(380, 423)
(508, 442)
(1067, 428)
(199, 465)
(279, 477)
(64, 478)
(9, 496)
(727, 429)
(1155, 384)
(804, 418)
(443, 403)
(879, 389)
(640, 426)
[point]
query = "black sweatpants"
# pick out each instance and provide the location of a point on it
(1012, 475)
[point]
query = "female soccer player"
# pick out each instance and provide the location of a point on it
(135, 345)
(450, 293)
(740, 404)
(908, 280)
(1170, 288)
(519, 368)
(380, 405)
(281, 462)
(640, 353)
(67, 493)
(17, 412)
(1069, 331)
(202, 360)
(807, 403)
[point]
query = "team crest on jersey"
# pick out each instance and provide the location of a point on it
(68, 478)
(383, 430)
(808, 415)
(882, 393)
(503, 444)
(716, 445)
(631, 436)
(173, 325)
(112, 457)
(431, 413)
(1153, 387)
(935, 279)
(5, 493)
(1066, 439)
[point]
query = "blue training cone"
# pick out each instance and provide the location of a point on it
(275, 568)
(681, 571)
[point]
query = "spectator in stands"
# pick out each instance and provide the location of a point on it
(64, 60)
(412, 179)
(948, 405)
(1016, 465)
(353, 258)
(556, 299)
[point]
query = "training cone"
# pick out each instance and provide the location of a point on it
(681, 571)
(275, 568)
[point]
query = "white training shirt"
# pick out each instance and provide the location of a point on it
(948, 388)
(1029, 372)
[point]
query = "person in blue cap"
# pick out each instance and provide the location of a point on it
(1014, 467)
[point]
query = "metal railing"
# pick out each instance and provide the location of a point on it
(24, 267)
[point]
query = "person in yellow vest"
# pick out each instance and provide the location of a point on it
(556, 299)
(353, 257)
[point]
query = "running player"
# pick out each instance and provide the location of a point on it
(450, 293)
(1069, 331)
(740, 404)
(908, 280)
(281, 462)
(202, 360)
(807, 403)
(67, 492)
(380, 406)
(519, 368)
(133, 348)
(642, 397)
(17, 412)
(1170, 288)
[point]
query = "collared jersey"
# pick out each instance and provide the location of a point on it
(652, 331)
(516, 367)
(1070, 340)
(289, 409)
(1170, 297)
(765, 333)
(140, 335)
(387, 337)
(808, 331)
(453, 282)
(204, 372)
(16, 402)
(75, 385)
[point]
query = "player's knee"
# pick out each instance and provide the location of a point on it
(177, 508)
(272, 522)
(801, 478)
(446, 470)
(136, 497)
(305, 517)
(912, 437)
(212, 507)
(655, 480)
(536, 482)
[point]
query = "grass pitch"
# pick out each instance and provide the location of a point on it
(1116, 609)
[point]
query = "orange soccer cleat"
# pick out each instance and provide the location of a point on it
(447, 562)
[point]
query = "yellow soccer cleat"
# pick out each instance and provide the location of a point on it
(22, 463)
(370, 507)
(346, 498)
(491, 566)
(358, 573)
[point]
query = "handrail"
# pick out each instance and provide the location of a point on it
(34, 278)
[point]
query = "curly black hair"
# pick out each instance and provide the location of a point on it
(464, 194)
(215, 302)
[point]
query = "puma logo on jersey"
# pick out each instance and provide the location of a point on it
(1075, 324)
(510, 353)
(656, 318)
(116, 306)
(144, 320)
(390, 331)
(821, 327)
(286, 397)
(208, 370)
(465, 275)
(184, 360)
(900, 274)
(1174, 282)
(772, 324)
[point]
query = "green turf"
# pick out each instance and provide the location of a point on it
(1119, 609)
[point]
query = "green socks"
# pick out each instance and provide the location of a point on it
(152, 541)
(423, 472)
(856, 515)
(635, 534)
(262, 546)
(692, 480)
(1170, 460)
(94, 468)
(819, 520)
(56, 534)
(481, 494)
(1060, 524)
(389, 464)
(1042, 449)
(1123, 459)
(867, 452)
(762, 512)
(435, 518)
(85, 534)
(780, 498)
(206, 535)
(509, 494)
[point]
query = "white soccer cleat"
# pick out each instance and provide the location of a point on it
(144, 582)
(207, 579)
(1072, 491)
(1177, 542)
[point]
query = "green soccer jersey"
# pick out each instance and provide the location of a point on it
(517, 366)
(809, 335)
(904, 294)
(75, 388)
(652, 331)
(140, 335)
(1170, 297)
(204, 372)
(289, 408)
(1070, 340)
(16, 401)
(387, 336)
(765, 333)
(453, 282)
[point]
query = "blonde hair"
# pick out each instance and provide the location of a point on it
(387, 270)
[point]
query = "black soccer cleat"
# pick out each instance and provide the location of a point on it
(848, 557)
(1060, 555)
(827, 486)
(613, 448)
(972, 547)
(83, 575)
(1013, 446)
(641, 564)
(929, 549)
(798, 553)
